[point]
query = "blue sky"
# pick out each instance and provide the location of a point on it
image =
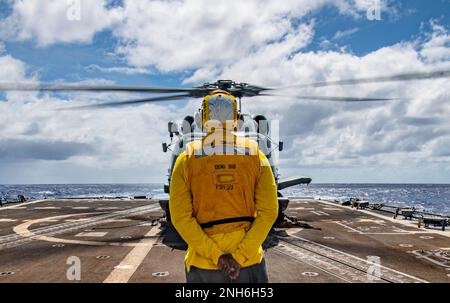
(172, 44)
(51, 61)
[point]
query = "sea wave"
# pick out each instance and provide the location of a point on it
(424, 197)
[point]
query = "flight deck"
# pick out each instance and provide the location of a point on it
(121, 241)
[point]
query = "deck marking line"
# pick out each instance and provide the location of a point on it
(301, 208)
(92, 234)
(332, 209)
(291, 231)
(310, 260)
(316, 213)
(19, 206)
(351, 229)
(323, 213)
(348, 227)
(384, 268)
(427, 257)
(23, 229)
(402, 222)
(7, 220)
(123, 272)
(23, 235)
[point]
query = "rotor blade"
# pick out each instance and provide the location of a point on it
(394, 78)
(130, 102)
(89, 88)
(332, 98)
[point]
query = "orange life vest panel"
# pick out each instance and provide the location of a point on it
(223, 183)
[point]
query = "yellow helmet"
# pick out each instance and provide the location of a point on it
(220, 106)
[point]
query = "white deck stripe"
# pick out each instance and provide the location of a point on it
(21, 204)
(403, 232)
(384, 217)
(316, 213)
(23, 235)
(7, 220)
(307, 259)
(92, 234)
(358, 258)
(324, 213)
(123, 272)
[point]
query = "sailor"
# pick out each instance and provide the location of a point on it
(223, 199)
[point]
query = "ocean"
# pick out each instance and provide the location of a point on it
(424, 197)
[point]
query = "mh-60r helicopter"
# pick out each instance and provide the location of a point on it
(256, 127)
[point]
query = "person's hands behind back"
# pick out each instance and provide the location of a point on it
(229, 266)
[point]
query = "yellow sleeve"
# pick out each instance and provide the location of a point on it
(181, 210)
(266, 202)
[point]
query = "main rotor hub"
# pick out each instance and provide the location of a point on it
(238, 90)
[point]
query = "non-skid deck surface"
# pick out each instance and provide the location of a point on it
(119, 241)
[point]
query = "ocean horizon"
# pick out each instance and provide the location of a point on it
(424, 197)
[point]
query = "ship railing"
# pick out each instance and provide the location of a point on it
(416, 213)
(424, 217)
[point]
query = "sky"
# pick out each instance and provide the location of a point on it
(183, 43)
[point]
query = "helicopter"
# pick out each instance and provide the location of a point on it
(253, 126)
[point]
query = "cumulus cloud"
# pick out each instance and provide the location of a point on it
(122, 70)
(263, 43)
(15, 149)
(407, 132)
(344, 33)
(104, 140)
(338, 36)
(179, 35)
(176, 35)
(437, 46)
(12, 69)
(124, 143)
(54, 21)
(170, 35)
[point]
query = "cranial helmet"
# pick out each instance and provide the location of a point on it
(219, 110)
